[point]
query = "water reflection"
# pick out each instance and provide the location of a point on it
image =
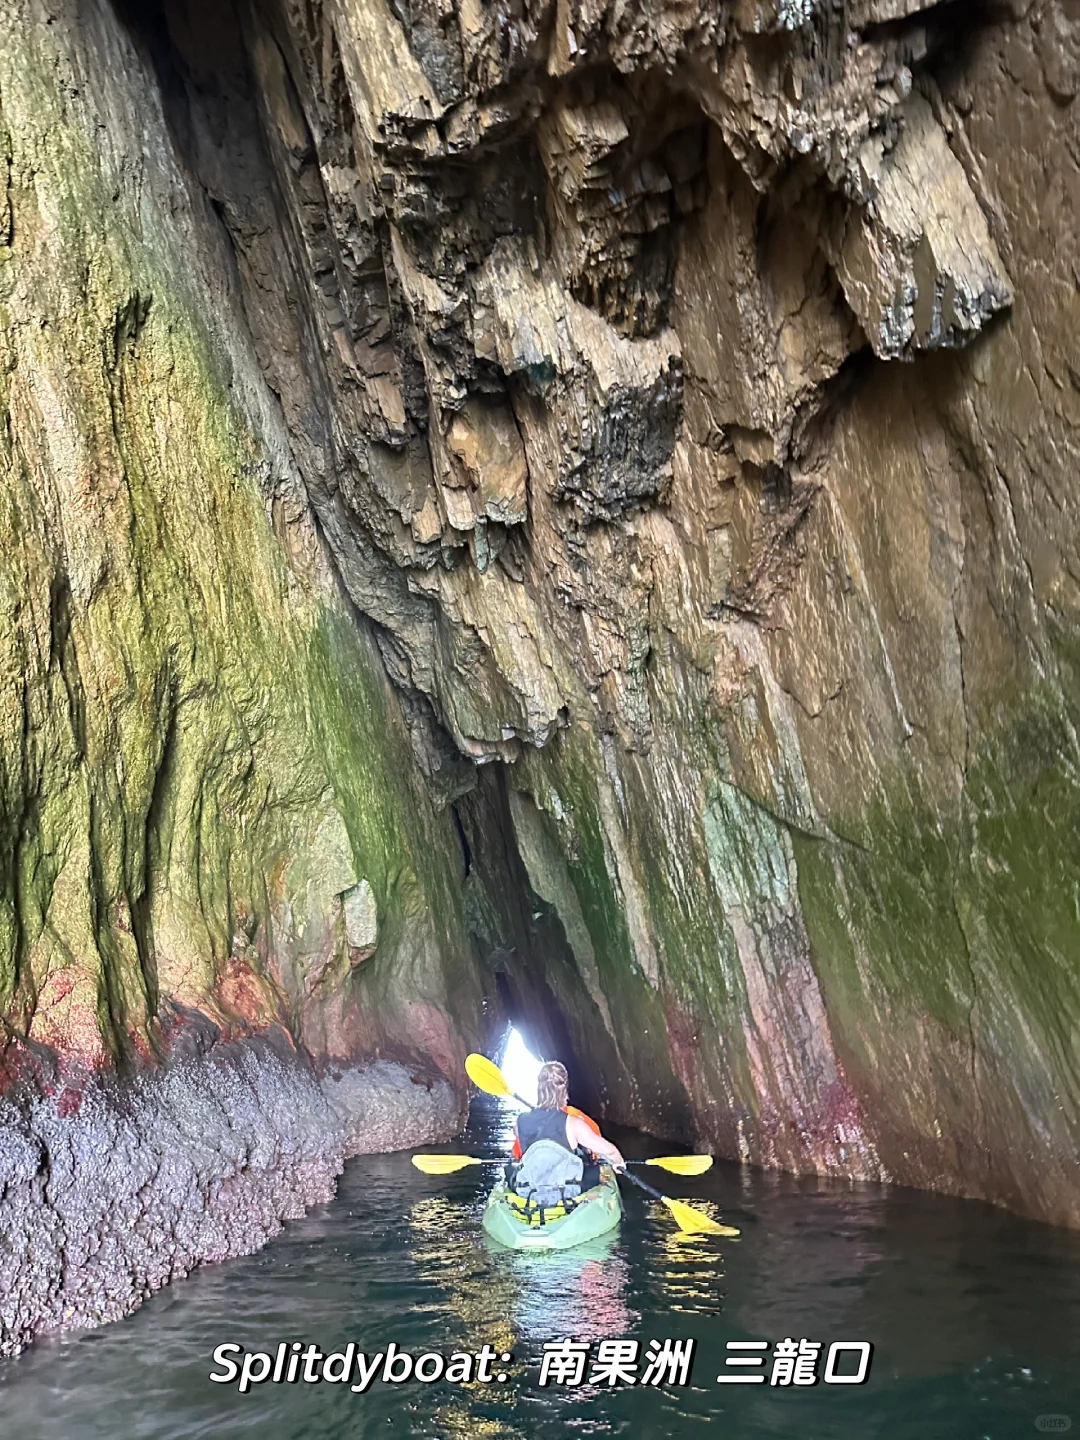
(460, 1421)
(690, 1273)
(580, 1293)
(445, 1251)
(971, 1312)
(503, 1297)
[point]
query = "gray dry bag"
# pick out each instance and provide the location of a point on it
(548, 1174)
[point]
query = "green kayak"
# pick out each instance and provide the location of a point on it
(597, 1212)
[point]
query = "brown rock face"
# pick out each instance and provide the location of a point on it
(686, 401)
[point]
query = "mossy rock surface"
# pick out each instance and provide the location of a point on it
(199, 751)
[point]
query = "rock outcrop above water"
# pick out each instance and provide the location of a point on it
(109, 1192)
(563, 509)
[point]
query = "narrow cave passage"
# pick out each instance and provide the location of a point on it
(512, 599)
(520, 1066)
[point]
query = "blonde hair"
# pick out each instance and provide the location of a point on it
(552, 1086)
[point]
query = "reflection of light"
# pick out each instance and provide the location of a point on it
(691, 1283)
(520, 1067)
(457, 1420)
(437, 1216)
(444, 1247)
(500, 1297)
(693, 1271)
(579, 1292)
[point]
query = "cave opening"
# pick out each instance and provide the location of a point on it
(520, 1066)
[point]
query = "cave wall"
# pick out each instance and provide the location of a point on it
(207, 798)
(649, 431)
(699, 429)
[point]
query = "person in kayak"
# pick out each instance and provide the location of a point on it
(554, 1119)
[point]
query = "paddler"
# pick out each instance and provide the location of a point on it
(554, 1119)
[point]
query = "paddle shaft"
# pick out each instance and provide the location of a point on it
(642, 1185)
(636, 1179)
(683, 1213)
(654, 1193)
(464, 1160)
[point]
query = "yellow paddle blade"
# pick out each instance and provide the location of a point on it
(486, 1075)
(444, 1164)
(682, 1164)
(695, 1222)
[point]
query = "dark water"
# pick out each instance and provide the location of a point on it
(973, 1315)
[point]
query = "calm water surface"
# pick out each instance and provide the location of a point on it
(973, 1315)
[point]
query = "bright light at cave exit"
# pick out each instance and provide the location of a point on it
(520, 1067)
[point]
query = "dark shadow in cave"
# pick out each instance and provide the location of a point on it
(535, 972)
(198, 50)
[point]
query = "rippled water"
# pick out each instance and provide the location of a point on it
(973, 1315)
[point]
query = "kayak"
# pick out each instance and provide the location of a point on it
(596, 1212)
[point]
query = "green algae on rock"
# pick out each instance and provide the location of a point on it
(201, 754)
(203, 768)
(585, 529)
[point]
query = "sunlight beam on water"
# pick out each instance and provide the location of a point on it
(520, 1067)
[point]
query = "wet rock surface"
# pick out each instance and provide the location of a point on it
(111, 1189)
(564, 511)
(776, 657)
(208, 795)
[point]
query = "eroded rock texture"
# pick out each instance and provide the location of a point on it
(765, 634)
(110, 1191)
(207, 789)
(207, 798)
(685, 401)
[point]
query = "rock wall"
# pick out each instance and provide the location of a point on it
(210, 821)
(770, 630)
(206, 780)
(696, 419)
(569, 507)
(107, 1198)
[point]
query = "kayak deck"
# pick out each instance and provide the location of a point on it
(597, 1212)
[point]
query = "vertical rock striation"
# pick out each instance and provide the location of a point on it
(768, 630)
(566, 503)
(208, 807)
